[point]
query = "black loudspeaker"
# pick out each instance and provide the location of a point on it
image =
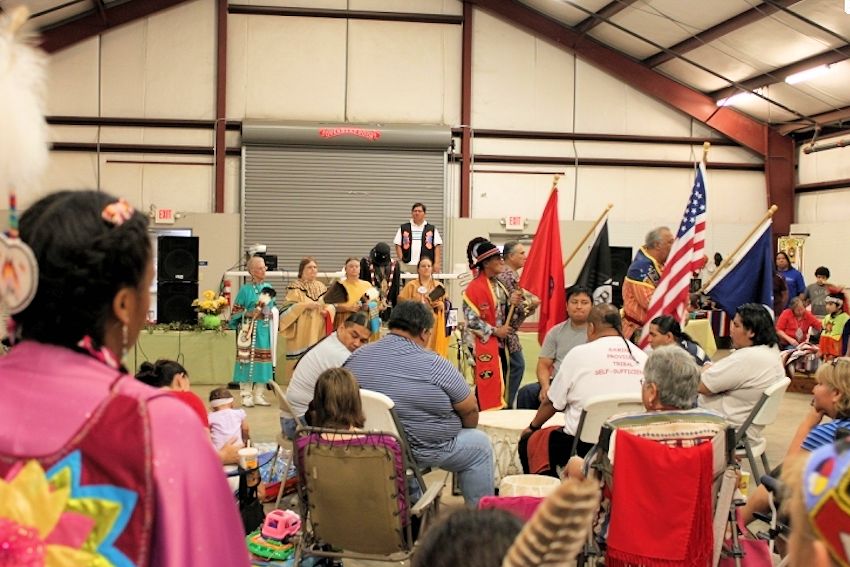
(174, 302)
(621, 259)
(177, 259)
(270, 260)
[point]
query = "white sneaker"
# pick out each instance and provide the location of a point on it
(248, 401)
(260, 400)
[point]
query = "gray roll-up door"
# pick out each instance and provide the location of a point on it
(335, 202)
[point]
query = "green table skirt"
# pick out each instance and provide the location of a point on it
(209, 356)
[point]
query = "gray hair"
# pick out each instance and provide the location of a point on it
(509, 248)
(673, 370)
(653, 237)
(413, 317)
(254, 260)
(796, 302)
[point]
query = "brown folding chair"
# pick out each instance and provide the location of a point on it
(355, 500)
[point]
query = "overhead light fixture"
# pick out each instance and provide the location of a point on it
(808, 74)
(735, 98)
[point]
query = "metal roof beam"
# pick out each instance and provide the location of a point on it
(607, 11)
(716, 32)
(735, 125)
(823, 119)
(781, 73)
(94, 23)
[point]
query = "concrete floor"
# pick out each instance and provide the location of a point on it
(264, 423)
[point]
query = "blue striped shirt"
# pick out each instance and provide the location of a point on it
(823, 434)
(423, 385)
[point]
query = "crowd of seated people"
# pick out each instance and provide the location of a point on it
(437, 408)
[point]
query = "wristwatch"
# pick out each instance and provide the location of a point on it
(533, 427)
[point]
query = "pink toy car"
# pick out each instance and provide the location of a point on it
(281, 524)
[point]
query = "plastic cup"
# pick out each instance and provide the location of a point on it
(249, 457)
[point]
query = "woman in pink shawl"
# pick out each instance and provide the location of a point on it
(96, 467)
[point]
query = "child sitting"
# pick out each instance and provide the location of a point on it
(336, 401)
(227, 425)
(833, 327)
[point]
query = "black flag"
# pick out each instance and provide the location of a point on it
(596, 273)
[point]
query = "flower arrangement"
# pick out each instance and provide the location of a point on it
(209, 304)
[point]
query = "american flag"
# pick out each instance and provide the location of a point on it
(671, 295)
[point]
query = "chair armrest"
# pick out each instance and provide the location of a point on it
(430, 496)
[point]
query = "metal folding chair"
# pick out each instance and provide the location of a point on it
(355, 498)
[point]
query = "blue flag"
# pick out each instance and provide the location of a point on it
(750, 277)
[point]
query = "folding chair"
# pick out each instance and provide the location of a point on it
(281, 439)
(597, 411)
(763, 413)
(675, 429)
(379, 410)
(354, 495)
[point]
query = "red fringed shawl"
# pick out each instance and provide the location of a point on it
(661, 504)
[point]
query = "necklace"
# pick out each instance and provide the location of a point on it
(383, 277)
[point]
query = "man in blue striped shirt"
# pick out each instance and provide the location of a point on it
(433, 401)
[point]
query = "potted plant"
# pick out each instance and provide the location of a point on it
(209, 308)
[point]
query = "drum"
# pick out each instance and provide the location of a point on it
(536, 485)
(504, 427)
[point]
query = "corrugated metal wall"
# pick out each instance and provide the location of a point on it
(332, 203)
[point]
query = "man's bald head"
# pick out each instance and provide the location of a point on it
(604, 320)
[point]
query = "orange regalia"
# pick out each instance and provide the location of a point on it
(489, 380)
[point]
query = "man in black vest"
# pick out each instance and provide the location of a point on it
(418, 239)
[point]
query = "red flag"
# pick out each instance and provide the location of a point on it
(543, 274)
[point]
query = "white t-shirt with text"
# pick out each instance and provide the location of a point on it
(608, 365)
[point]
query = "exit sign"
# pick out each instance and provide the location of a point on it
(164, 216)
(514, 223)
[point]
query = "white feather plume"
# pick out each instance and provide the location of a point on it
(23, 131)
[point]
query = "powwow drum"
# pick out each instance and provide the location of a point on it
(504, 428)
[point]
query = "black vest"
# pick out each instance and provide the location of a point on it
(427, 250)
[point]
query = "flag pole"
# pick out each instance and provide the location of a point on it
(727, 263)
(705, 148)
(589, 232)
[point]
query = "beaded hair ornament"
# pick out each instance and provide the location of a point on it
(23, 154)
(826, 493)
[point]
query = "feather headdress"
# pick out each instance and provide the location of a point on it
(23, 152)
(23, 137)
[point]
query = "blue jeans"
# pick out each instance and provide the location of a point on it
(288, 426)
(529, 397)
(516, 369)
(472, 459)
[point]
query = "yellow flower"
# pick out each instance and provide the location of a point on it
(209, 303)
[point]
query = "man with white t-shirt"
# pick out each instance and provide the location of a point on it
(607, 364)
(330, 352)
(418, 239)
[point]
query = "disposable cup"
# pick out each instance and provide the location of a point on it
(249, 457)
